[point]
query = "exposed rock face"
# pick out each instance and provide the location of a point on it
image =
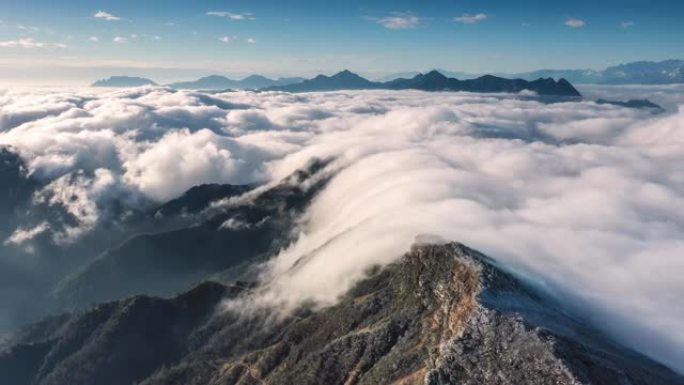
(441, 315)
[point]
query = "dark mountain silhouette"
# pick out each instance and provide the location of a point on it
(218, 82)
(123, 81)
(633, 103)
(434, 81)
(345, 80)
(442, 314)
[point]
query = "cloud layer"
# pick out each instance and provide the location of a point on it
(577, 196)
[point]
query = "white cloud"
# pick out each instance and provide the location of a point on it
(599, 183)
(626, 24)
(232, 16)
(23, 235)
(120, 39)
(575, 23)
(94, 39)
(156, 38)
(251, 40)
(399, 21)
(228, 39)
(471, 19)
(105, 16)
(29, 43)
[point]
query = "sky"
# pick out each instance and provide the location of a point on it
(56, 42)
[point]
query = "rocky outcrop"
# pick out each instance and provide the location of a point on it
(442, 314)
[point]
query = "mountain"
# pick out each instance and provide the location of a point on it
(642, 72)
(210, 241)
(212, 82)
(218, 82)
(345, 80)
(410, 74)
(633, 103)
(433, 81)
(442, 314)
(123, 81)
(645, 72)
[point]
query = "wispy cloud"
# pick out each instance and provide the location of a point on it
(232, 15)
(399, 21)
(251, 40)
(20, 27)
(94, 39)
(575, 23)
(228, 39)
(29, 43)
(120, 40)
(626, 24)
(471, 19)
(105, 16)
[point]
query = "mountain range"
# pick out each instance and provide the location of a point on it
(123, 81)
(443, 314)
(209, 83)
(217, 82)
(641, 72)
(433, 81)
(347, 80)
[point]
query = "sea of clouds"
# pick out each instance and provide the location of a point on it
(585, 199)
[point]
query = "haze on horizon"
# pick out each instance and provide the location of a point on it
(44, 42)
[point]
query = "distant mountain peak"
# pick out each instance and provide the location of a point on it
(434, 74)
(256, 77)
(123, 81)
(346, 74)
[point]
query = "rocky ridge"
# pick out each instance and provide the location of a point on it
(442, 314)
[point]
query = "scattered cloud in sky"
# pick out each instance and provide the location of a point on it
(471, 19)
(399, 21)
(94, 39)
(626, 24)
(21, 27)
(575, 23)
(251, 40)
(120, 39)
(29, 43)
(232, 15)
(228, 39)
(105, 16)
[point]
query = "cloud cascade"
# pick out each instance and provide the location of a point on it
(577, 196)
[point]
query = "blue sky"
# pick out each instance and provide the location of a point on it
(64, 41)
